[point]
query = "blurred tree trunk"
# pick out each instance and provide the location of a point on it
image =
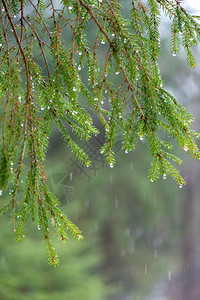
(186, 284)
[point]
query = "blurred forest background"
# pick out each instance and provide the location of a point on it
(142, 239)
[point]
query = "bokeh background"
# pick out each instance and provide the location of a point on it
(141, 239)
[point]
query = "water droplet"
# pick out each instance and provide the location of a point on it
(14, 16)
(79, 67)
(113, 34)
(102, 42)
(164, 176)
(185, 148)
(174, 54)
(106, 91)
(87, 165)
(3, 9)
(117, 72)
(1, 192)
(126, 151)
(70, 8)
(111, 165)
(79, 53)
(180, 186)
(42, 108)
(74, 89)
(19, 98)
(151, 180)
(141, 137)
(102, 102)
(95, 99)
(38, 227)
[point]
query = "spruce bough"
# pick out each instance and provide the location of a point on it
(53, 72)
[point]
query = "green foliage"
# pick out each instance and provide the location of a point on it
(75, 77)
(25, 274)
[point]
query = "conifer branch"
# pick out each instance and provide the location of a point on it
(43, 87)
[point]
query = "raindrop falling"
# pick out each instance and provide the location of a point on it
(145, 268)
(169, 275)
(155, 253)
(70, 175)
(116, 203)
(87, 203)
(96, 226)
(123, 253)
